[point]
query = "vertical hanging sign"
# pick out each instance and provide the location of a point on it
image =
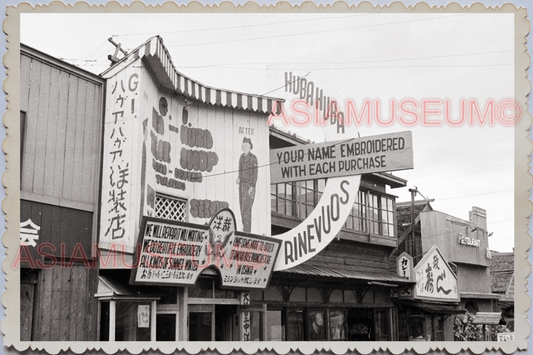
(117, 221)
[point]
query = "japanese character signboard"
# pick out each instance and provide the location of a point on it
(388, 152)
(29, 233)
(435, 280)
(404, 265)
(120, 132)
(185, 155)
(176, 253)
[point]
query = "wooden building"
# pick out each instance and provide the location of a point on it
(348, 284)
(462, 247)
(143, 152)
(61, 125)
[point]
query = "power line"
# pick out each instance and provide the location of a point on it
(313, 32)
(351, 62)
(485, 193)
(241, 26)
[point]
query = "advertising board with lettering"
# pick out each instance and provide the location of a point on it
(387, 152)
(179, 156)
(435, 280)
(176, 253)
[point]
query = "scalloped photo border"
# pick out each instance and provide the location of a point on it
(10, 325)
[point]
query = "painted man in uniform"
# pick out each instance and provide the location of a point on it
(246, 181)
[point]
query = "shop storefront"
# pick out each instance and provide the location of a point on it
(462, 246)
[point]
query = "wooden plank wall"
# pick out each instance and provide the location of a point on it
(61, 146)
(61, 150)
(65, 306)
(353, 256)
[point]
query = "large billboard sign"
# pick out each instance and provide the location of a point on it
(186, 155)
(387, 152)
(176, 253)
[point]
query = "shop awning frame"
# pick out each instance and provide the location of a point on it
(429, 307)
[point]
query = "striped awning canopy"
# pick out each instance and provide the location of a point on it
(156, 55)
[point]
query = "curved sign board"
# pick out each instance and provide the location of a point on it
(176, 253)
(326, 220)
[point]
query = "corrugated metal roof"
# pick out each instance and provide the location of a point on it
(326, 271)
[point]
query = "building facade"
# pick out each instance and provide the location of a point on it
(61, 127)
(462, 247)
(142, 218)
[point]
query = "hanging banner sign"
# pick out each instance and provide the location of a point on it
(387, 152)
(176, 253)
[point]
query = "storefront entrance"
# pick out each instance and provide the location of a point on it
(213, 323)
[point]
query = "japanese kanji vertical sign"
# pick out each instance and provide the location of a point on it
(118, 221)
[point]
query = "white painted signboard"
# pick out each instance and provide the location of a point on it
(176, 253)
(387, 152)
(434, 278)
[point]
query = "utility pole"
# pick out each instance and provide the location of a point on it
(412, 242)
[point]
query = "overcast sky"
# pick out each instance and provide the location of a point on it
(350, 56)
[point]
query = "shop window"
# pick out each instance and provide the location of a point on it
(438, 328)
(122, 320)
(416, 326)
(132, 322)
(166, 327)
(307, 198)
(403, 326)
(283, 198)
(200, 326)
(226, 323)
(170, 208)
(337, 325)
(316, 327)
(275, 328)
(104, 321)
(358, 215)
(295, 325)
(371, 213)
(360, 324)
(381, 323)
